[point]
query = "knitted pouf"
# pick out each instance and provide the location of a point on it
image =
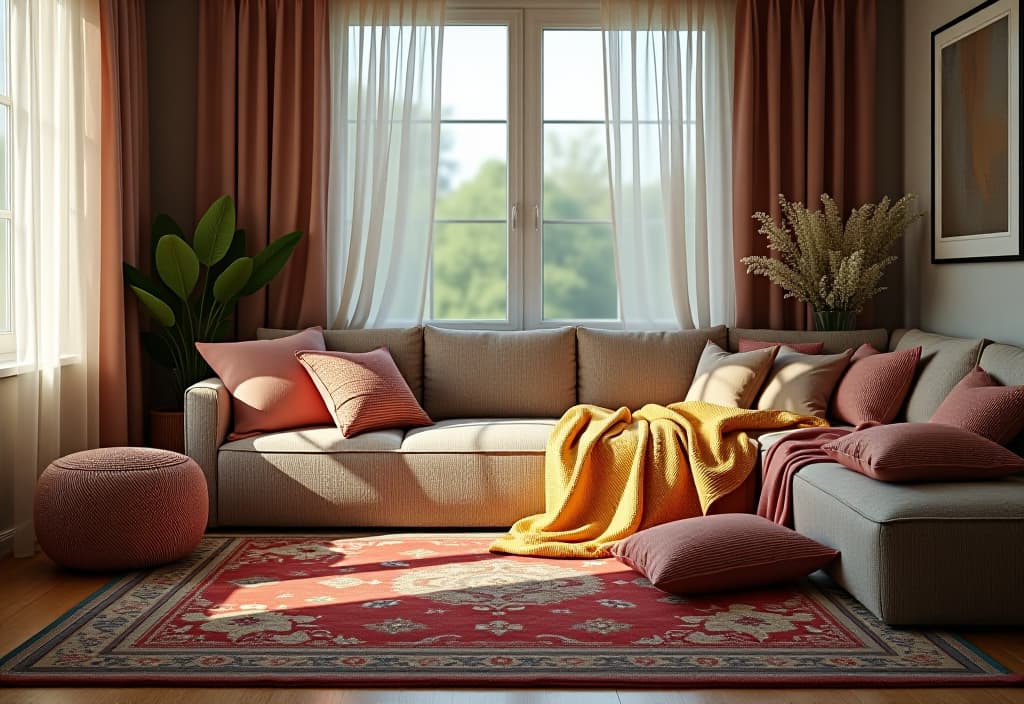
(120, 508)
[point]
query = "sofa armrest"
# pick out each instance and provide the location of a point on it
(207, 419)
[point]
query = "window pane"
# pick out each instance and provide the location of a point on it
(5, 56)
(474, 73)
(5, 276)
(573, 75)
(5, 155)
(579, 272)
(470, 269)
(473, 172)
(575, 173)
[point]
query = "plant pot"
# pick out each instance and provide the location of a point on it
(835, 320)
(167, 430)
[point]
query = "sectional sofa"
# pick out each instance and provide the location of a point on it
(938, 553)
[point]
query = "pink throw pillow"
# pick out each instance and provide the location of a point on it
(918, 452)
(269, 388)
(746, 345)
(721, 552)
(982, 405)
(875, 385)
(363, 390)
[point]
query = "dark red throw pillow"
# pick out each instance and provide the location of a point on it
(920, 452)
(746, 345)
(722, 552)
(875, 385)
(982, 405)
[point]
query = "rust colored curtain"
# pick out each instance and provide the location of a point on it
(124, 214)
(803, 125)
(262, 136)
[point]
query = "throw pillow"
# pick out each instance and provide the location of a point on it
(913, 452)
(875, 385)
(363, 390)
(803, 383)
(746, 345)
(269, 388)
(982, 405)
(730, 379)
(721, 552)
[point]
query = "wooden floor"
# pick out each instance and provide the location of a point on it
(34, 593)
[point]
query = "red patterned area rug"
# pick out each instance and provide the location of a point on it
(425, 609)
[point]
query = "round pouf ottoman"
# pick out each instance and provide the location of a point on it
(120, 508)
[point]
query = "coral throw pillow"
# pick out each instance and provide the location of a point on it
(746, 345)
(363, 390)
(918, 452)
(723, 552)
(269, 388)
(875, 385)
(730, 379)
(982, 405)
(803, 383)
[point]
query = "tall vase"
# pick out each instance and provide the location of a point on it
(835, 319)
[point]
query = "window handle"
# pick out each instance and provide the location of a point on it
(536, 218)
(515, 217)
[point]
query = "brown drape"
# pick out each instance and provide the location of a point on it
(263, 137)
(124, 215)
(803, 125)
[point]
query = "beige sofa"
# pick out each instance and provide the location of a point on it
(495, 397)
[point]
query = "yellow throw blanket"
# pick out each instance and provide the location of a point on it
(609, 474)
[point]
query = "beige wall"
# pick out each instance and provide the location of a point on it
(973, 300)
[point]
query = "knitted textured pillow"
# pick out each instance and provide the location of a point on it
(721, 552)
(875, 385)
(363, 390)
(982, 405)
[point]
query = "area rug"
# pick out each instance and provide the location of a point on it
(422, 610)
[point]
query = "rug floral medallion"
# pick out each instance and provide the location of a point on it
(422, 609)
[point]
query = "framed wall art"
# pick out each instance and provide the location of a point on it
(976, 112)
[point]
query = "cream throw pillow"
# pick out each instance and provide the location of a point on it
(730, 379)
(803, 383)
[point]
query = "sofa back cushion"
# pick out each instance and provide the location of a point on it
(492, 374)
(944, 362)
(626, 368)
(1005, 364)
(835, 342)
(404, 344)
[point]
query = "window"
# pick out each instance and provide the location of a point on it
(522, 232)
(6, 232)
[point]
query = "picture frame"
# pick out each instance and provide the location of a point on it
(977, 173)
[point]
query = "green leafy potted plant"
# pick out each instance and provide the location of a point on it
(835, 268)
(194, 295)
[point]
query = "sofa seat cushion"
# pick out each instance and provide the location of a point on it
(318, 440)
(481, 435)
(883, 502)
(926, 554)
(766, 440)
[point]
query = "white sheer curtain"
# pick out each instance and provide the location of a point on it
(668, 67)
(385, 143)
(55, 91)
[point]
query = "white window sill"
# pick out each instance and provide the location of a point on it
(9, 365)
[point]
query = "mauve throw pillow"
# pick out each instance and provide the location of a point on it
(269, 388)
(722, 552)
(919, 452)
(363, 390)
(875, 385)
(746, 345)
(982, 405)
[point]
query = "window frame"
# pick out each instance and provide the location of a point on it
(526, 21)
